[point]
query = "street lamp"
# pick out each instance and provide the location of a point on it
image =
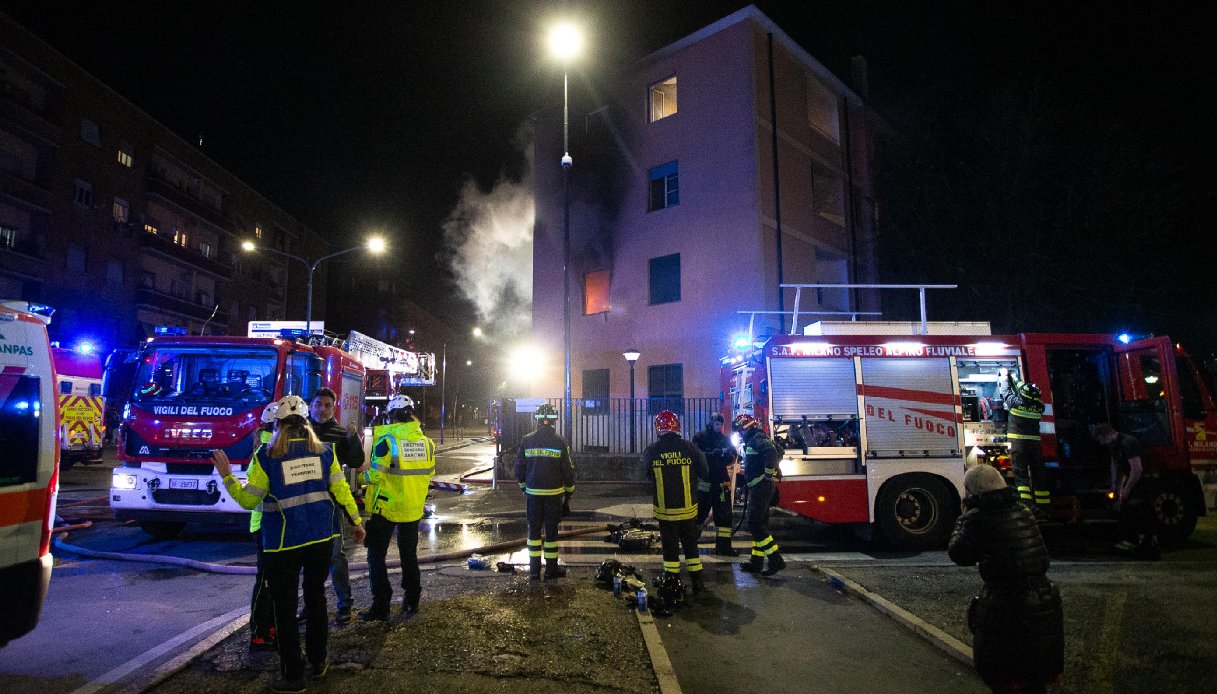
(631, 355)
(564, 43)
(374, 245)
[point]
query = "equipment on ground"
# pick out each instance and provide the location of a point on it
(633, 534)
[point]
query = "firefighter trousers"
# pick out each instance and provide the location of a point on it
(1030, 475)
(380, 533)
(677, 535)
(756, 517)
(718, 501)
(544, 514)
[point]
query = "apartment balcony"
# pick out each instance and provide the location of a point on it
(14, 110)
(146, 297)
(157, 243)
(27, 193)
(176, 196)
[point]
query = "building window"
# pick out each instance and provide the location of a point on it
(665, 187)
(827, 193)
(666, 388)
(84, 194)
(179, 237)
(206, 249)
(150, 228)
(114, 273)
(663, 99)
(124, 156)
(78, 258)
(122, 211)
(147, 280)
(8, 237)
(665, 279)
(257, 232)
(822, 110)
(89, 132)
(596, 292)
(252, 313)
(596, 391)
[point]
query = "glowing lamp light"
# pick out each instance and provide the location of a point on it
(85, 348)
(1151, 379)
(741, 342)
(1111, 495)
(821, 499)
(376, 244)
(565, 41)
(1124, 338)
(248, 246)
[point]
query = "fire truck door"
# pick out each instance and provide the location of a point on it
(1149, 407)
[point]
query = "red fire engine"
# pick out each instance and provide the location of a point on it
(879, 424)
(192, 395)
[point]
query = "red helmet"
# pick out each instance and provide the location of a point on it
(744, 422)
(667, 421)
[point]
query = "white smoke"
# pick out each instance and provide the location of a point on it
(489, 237)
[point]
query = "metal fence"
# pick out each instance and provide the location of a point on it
(615, 425)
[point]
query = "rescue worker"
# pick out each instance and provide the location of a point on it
(1026, 408)
(291, 481)
(676, 466)
(261, 609)
(349, 450)
(546, 475)
(1131, 487)
(714, 490)
(398, 477)
(1017, 623)
(761, 458)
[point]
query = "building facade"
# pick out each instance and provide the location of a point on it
(676, 203)
(121, 225)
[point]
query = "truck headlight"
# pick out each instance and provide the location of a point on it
(121, 481)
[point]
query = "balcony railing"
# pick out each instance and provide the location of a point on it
(161, 244)
(22, 189)
(171, 193)
(153, 299)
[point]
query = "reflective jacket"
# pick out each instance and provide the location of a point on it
(403, 462)
(255, 516)
(543, 464)
(293, 494)
(1025, 415)
(676, 466)
(761, 458)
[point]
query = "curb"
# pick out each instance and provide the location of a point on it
(661, 665)
(948, 644)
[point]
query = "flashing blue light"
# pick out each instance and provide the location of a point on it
(293, 333)
(163, 330)
(741, 341)
(23, 405)
(85, 348)
(1124, 338)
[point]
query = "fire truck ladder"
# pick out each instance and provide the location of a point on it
(798, 295)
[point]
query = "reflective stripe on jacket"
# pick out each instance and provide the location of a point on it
(543, 464)
(403, 462)
(676, 466)
(761, 457)
(1025, 415)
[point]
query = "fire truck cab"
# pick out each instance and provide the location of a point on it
(192, 395)
(878, 424)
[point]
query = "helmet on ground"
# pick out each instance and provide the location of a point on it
(671, 589)
(744, 422)
(1029, 391)
(399, 402)
(667, 421)
(545, 412)
(291, 405)
(268, 412)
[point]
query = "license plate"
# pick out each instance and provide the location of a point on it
(183, 484)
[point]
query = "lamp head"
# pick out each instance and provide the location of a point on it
(248, 246)
(376, 244)
(631, 355)
(565, 41)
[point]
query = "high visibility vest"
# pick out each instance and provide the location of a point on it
(297, 509)
(403, 462)
(255, 516)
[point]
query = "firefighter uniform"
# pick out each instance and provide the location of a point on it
(761, 458)
(398, 477)
(293, 494)
(677, 466)
(714, 490)
(546, 475)
(1026, 458)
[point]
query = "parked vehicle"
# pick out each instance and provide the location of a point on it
(82, 426)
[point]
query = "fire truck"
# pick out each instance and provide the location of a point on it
(82, 427)
(879, 423)
(192, 395)
(29, 468)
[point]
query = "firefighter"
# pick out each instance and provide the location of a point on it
(291, 482)
(398, 477)
(676, 466)
(761, 458)
(546, 475)
(714, 491)
(349, 450)
(1026, 458)
(261, 609)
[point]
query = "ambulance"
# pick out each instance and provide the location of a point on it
(82, 427)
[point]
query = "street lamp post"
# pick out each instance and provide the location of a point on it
(631, 355)
(443, 392)
(565, 42)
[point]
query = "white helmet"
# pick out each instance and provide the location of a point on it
(399, 402)
(268, 412)
(291, 405)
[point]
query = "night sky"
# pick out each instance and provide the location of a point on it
(373, 115)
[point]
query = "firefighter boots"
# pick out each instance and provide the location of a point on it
(754, 565)
(552, 570)
(723, 548)
(534, 568)
(699, 583)
(776, 564)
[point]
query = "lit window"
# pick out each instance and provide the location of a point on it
(822, 110)
(664, 187)
(663, 99)
(596, 292)
(122, 211)
(89, 132)
(83, 195)
(665, 279)
(179, 237)
(151, 229)
(124, 158)
(257, 232)
(8, 237)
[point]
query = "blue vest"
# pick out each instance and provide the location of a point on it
(298, 509)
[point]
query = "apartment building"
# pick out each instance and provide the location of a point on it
(121, 225)
(683, 176)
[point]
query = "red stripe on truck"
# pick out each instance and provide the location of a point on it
(925, 396)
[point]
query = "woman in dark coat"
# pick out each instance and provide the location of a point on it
(1018, 637)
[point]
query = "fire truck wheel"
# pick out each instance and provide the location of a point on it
(1176, 517)
(162, 529)
(66, 462)
(916, 512)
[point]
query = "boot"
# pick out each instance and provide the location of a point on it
(534, 568)
(699, 583)
(753, 565)
(723, 548)
(552, 570)
(776, 564)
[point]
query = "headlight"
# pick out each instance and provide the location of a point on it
(124, 481)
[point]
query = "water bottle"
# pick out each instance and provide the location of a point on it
(642, 599)
(616, 586)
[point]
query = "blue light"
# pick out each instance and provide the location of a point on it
(85, 348)
(23, 405)
(1124, 338)
(168, 330)
(741, 341)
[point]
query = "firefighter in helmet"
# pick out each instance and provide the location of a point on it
(1026, 408)
(761, 458)
(546, 475)
(676, 466)
(714, 491)
(398, 477)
